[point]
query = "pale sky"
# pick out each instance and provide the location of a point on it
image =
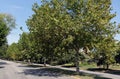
(22, 9)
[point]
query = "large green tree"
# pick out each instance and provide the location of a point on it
(63, 25)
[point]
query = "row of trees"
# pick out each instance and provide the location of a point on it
(59, 29)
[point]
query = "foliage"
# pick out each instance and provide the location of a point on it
(13, 52)
(60, 26)
(28, 48)
(106, 51)
(3, 49)
(7, 22)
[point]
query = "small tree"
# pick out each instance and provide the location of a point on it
(13, 52)
(106, 52)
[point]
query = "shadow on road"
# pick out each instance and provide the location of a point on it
(3, 63)
(111, 71)
(48, 72)
(1, 67)
(116, 72)
(56, 72)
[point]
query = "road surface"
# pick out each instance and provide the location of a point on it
(12, 70)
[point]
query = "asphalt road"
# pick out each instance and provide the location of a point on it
(12, 70)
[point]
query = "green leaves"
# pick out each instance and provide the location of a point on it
(60, 26)
(13, 52)
(7, 22)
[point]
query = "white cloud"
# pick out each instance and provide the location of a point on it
(16, 7)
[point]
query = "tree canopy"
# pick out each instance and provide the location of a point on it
(63, 25)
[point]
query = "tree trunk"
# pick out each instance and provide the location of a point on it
(77, 62)
(44, 62)
(104, 66)
(107, 66)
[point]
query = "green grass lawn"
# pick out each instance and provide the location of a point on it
(114, 69)
(83, 66)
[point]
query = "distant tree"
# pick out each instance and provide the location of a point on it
(3, 49)
(13, 52)
(7, 22)
(117, 57)
(106, 52)
(28, 47)
(24, 46)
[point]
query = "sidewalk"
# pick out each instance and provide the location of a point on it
(107, 75)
